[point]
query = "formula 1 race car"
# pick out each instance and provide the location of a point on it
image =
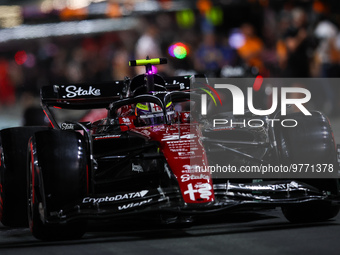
(141, 159)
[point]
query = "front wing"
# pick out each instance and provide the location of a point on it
(228, 196)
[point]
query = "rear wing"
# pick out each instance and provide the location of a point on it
(83, 96)
(98, 95)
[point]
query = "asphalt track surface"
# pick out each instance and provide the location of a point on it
(248, 232)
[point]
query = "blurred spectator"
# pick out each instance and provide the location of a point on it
(327, 54)
(148, 45)
(58, 67)
(120, 68)
(230, 56)
(74, 68)
(293, 47)
(252, 48)
(209, 57)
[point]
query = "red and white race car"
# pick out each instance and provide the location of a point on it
(149, 156)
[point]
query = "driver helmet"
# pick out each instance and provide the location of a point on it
(148, 114)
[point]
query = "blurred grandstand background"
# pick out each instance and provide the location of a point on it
(45, 42)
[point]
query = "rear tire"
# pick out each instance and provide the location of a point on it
(13, 158)
(62, 160)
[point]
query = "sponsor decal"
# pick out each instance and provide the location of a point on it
(188, 177)
(159, 92)
(278, 186)
(155, 108)
(202, 189)
(146, 132)
(131, 195)
(132, 205)
(126, 120)
(177, 137)
(177, 150)
(142, 106)
(73, 91)
(67, 126)
(248, 195)
(179, 143)
(137, 168)
(186, 115)
(106, 137)
(186, 153)
(190, 168)
(181, 84)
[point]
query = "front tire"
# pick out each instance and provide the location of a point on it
(310, 142)
(57, 177)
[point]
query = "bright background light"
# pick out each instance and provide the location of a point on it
(178, 50)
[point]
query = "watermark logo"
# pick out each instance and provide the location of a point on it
(239, 99)
(204, 98)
